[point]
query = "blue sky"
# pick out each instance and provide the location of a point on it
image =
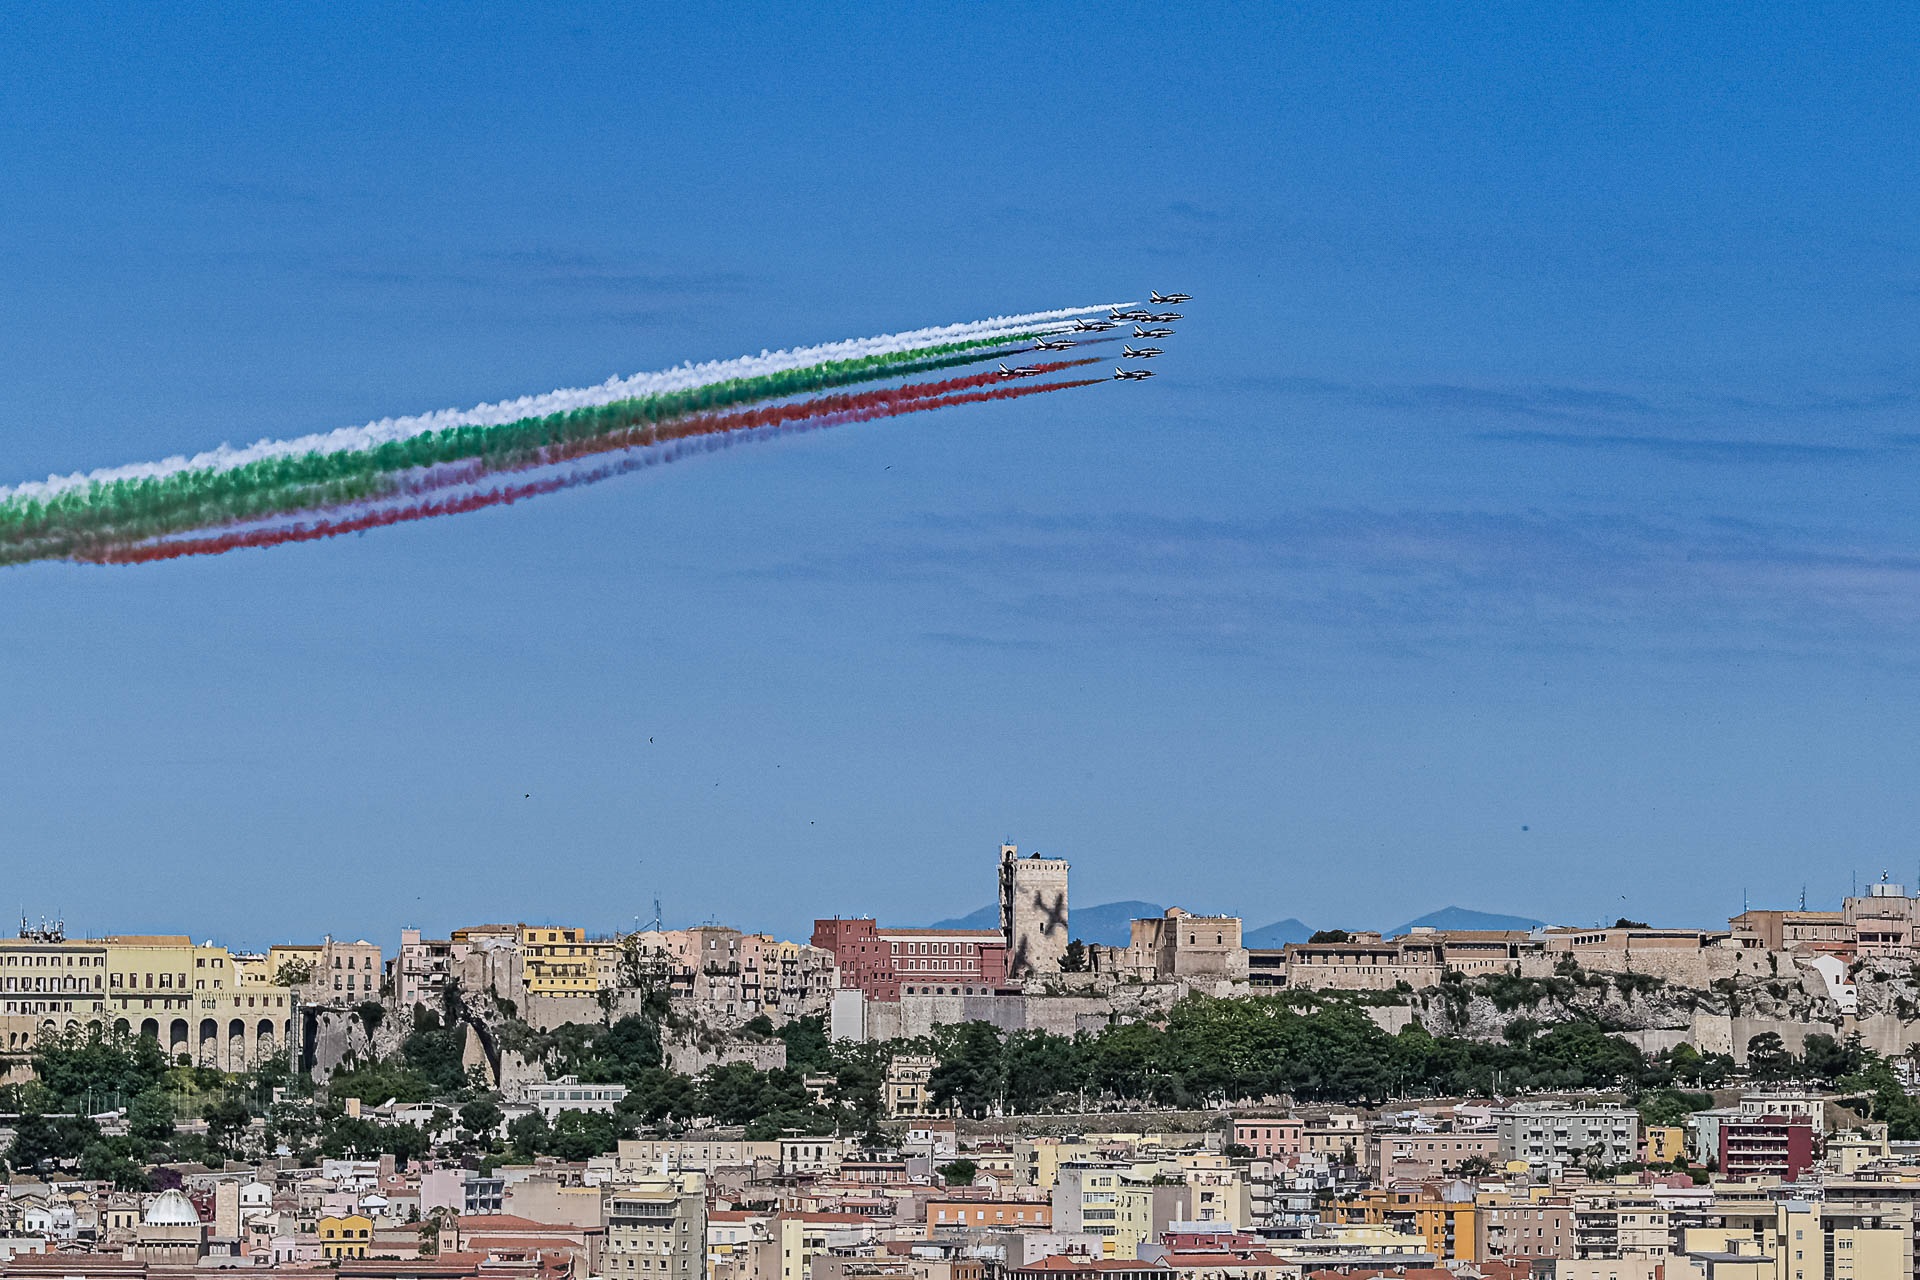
(1524, 517)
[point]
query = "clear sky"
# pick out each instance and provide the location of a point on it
(1524, 518)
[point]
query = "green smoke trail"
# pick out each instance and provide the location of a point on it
(124, 510)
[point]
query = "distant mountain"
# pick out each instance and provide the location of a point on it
(1462, 918)
(984, 918)
(1109, 925)
(1276, 935)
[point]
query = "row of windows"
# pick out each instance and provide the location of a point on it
(53, 961)
(44, 983)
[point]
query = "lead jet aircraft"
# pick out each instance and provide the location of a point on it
(1021, 371)
(1144, 353)
(1168, 297)
(1131, 375)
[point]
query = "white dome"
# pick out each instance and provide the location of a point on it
(170, 1209)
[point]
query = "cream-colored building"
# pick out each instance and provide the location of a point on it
(186, 996)
(48, 982)
(1800, 1240)
(656, 1227)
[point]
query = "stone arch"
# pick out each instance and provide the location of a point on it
(121, 1027)
(236, 1045)
(264, 1041)
(207, 1051)
(150, 1028)
(177, 1037)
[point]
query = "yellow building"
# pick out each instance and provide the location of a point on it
(1665, 1143)
(564, 962)
(188, 997)
(344, 1237)
(1449, 1227)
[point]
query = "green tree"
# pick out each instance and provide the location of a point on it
(481, 1117)
(227, 1122)
(150, 1116)
(1767, 1057)
(1075, 960)
(958, 1173)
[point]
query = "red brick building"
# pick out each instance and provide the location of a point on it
(890, 963)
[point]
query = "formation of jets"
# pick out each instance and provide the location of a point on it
(1142, 318)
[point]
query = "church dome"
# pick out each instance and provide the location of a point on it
(170, 1209)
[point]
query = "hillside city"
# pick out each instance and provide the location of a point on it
(1013, 1102)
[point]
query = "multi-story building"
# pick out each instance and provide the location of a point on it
(1525, 1231)
(1033, 912)
(1449, 1226)
(656, 1227)
(1801, 1240)
(563, 961)
(1766, 1146)
(1180, 944)
(906, 1087)
(1427, 1154)
(1267, 1137)
(886, 964)
(48, 982)
(1557, 1136)
(324, 973)
(568, 1094)
(1612, 1220)
(423, 969)
(1882, 921)
(1363, 962)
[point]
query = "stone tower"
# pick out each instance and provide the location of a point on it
(1033, 912)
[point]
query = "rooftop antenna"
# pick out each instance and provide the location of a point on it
(1803, 897)
(656, 914)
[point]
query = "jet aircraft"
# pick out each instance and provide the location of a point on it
(1131, 375)
(1138, 332)
(1021, 371)
(1058, 344)
(1168, 297)
(1092, 326)
(1144, 353)
(1161, 317)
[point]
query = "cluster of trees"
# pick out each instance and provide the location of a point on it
(1204, 1052)
(84, 1070)
(1210, 1052)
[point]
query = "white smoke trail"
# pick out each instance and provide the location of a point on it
(678, 378)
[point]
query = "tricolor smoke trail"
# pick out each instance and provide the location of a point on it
(388, 472)
(720, 431)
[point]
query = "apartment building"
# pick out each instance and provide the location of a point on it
(1557, 1136)
(562, 961)
(656, 1227)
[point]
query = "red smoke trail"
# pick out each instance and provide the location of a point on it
(827, 411)
(434, 479)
